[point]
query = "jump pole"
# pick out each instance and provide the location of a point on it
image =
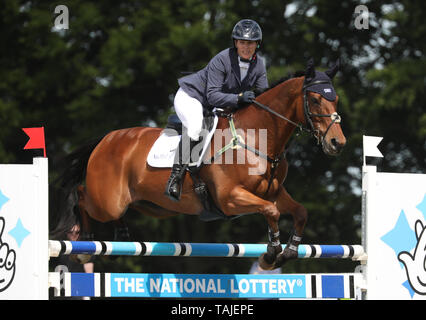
(236, 250)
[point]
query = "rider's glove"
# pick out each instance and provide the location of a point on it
(246, 97)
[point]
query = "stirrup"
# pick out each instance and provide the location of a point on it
(170, 193)
(175, 182)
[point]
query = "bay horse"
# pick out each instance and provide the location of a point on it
(117, 176)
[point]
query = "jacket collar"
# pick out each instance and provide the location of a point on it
(233, 56)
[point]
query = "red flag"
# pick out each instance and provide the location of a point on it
(36, 139)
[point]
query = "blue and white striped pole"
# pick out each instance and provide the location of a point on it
(57, 248)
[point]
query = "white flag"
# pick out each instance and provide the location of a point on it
(370, 144)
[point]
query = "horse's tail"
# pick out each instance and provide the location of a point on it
(63, 200)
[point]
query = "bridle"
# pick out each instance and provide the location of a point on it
(335, 117)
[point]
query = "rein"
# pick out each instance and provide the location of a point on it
(266, 108)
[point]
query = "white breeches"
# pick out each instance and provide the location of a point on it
(190, 112)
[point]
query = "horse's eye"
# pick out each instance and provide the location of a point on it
(314, 100)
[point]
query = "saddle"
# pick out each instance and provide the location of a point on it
(162, 155)
(173, 122)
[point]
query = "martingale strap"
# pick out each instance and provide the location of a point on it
(238, 141)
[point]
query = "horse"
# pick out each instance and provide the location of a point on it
(117, 176)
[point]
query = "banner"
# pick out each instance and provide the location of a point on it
(168, 285)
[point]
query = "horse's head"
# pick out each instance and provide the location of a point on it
(320, 108)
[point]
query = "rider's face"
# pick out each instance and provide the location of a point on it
(245, 48)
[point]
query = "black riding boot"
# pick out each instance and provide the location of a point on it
(182, 159)
(174, 186)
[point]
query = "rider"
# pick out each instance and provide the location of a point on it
(226, 82)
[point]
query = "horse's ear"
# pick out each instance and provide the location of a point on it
(310, 69)
(333, 70)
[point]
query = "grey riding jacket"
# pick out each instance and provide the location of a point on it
(219, 83)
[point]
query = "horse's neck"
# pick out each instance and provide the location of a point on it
(283, 99)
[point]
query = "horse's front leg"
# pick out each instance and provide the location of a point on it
(239, 201)
(286, 204)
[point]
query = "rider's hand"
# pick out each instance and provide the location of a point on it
(246, 97)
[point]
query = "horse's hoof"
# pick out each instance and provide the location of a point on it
(284, 256)
(264, 262)
(280, 260)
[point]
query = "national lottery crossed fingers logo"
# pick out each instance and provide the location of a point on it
(415, 264)
(7, 261)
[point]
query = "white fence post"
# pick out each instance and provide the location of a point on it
(24, 216)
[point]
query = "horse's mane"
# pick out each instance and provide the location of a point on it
(299, 73)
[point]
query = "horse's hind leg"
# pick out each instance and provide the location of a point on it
(121, 231)
(86, 233)
(286, 204)
(85, 228)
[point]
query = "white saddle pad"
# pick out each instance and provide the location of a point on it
(162, 153)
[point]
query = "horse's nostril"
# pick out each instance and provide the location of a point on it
(335, 144)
